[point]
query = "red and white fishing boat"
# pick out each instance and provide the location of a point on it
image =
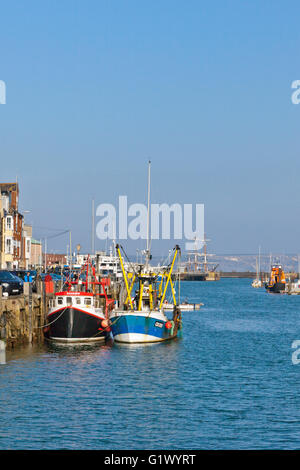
(75, 314)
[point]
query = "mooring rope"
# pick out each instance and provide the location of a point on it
(106, 328)
(44, 326)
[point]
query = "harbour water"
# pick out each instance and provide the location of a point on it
(228, 383)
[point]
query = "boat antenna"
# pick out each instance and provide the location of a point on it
(70, 236)
(114, 239)
(148, 216)
(93, 227)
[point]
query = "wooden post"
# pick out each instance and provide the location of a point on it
(2, 331)
(1, 303)
(44, 300)
(30, 312)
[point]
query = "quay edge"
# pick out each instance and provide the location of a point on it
(21, 320)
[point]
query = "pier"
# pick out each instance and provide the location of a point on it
(240, 274)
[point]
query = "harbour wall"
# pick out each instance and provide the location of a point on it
(22, 320)
(240, 274)
(252, 274)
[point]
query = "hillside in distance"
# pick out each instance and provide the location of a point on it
(244, 263)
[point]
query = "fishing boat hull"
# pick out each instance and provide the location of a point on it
(71, 325)
(139, 327)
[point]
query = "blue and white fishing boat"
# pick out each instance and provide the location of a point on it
(141, 318)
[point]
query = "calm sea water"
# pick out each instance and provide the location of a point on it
(229, 383)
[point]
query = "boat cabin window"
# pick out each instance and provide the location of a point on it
(69, 300)
(59, 300)
(78, 300)
(88, 301)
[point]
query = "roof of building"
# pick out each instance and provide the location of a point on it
(9, 187)
(35, 242)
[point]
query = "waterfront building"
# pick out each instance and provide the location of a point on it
(36, 253)
(11, 227)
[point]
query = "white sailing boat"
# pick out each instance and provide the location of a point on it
(257, 282)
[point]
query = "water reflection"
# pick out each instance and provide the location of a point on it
(80, 352)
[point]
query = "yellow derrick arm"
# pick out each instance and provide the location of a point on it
(169, 277)
(124, 275)
(173, 292)
(151, 296)
(130, 289)
(161, 285)
(141, 295)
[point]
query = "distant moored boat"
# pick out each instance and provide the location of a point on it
(277, 282)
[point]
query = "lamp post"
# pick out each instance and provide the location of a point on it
(78, 248)
(23, 241)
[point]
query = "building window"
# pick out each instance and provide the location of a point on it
(8, 246)
(5, 202)
(8, 223)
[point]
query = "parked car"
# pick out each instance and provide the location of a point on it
(11, 284)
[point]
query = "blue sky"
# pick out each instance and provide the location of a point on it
(203, 89)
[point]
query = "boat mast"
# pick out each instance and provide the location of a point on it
(70, 250)
(114, 240)
(93, 227)
(205, 259)
(148, 217)
(45, 255)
